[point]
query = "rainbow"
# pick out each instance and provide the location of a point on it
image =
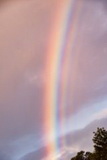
(61, 42)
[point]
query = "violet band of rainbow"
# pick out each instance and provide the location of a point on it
(61, 41)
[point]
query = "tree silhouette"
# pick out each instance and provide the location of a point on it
(79, 156)
(100, 143)
(100, 147)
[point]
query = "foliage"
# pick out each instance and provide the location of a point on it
(100, 147)
(100, 143)
(79, 156)
(83, 156)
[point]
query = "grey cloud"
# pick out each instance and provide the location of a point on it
(88, 80)
(40, 154)
(21, 146)
(4, 157)
(82, 139)
(76, 140)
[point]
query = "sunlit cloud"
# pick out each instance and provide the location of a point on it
(101, 114)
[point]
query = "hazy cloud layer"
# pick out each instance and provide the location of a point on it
(75, 141)
(24, 31)
(88, 84)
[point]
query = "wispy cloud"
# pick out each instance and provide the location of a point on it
(100, 115)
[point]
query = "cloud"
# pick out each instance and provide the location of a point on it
(100, 115)
(87, 75)
(23, 40)
(24, 36)
(82, 139)
(75, 141)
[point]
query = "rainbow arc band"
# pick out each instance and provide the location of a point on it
(61, 42)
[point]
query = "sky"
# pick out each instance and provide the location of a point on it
(53, 77)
